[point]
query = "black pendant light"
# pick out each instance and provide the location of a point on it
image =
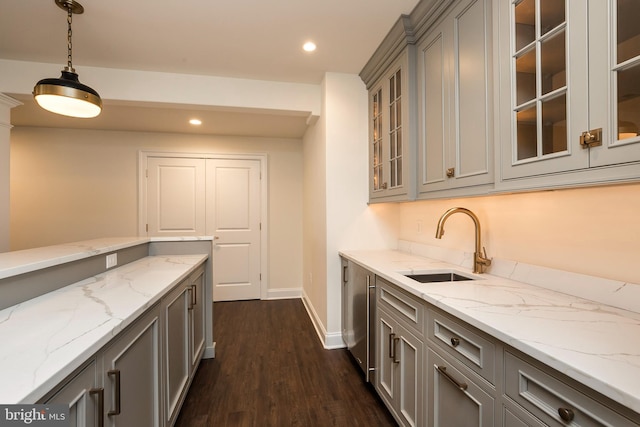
(66, 95)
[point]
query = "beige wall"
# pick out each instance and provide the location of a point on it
(71, 185)
(593, 231)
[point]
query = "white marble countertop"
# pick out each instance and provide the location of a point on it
(593, 343)
(46, 338)
(27, 260)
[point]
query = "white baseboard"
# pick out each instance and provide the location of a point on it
(284, 293)
(329, 340)
(209, 352)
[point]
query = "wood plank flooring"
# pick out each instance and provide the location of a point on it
(271, 370)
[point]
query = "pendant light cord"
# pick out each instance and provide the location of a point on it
(69, 45)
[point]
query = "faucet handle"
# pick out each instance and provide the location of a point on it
(485, 260)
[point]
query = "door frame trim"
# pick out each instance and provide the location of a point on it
(144, 155)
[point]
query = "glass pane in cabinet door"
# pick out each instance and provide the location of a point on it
(399, 142)
(399, 182)
(398, 113)
(552, 14)
(392, 145)
(629, 102)
(393, 173)
(526, 77)
(525, 23)
(392, 117)
(398, 84)
(376, 158)
(392, 89)
(553, 70)
(628, 36)
(527, 130)
(554, 125)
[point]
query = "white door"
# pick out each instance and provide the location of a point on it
(175, 196)
(233, 218)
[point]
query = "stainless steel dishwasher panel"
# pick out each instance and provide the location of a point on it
(357, 315)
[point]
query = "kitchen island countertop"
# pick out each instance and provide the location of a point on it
(45, 339)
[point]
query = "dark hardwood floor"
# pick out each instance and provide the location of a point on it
(271, 370)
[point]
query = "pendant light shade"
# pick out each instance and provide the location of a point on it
(66, 95)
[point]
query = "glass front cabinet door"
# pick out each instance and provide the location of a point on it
(391, 174)
(569, 90)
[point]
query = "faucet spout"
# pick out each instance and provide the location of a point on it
(480, 260)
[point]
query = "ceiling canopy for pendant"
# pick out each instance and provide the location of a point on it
(66, 95)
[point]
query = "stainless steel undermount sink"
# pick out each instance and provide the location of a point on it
(449, 276)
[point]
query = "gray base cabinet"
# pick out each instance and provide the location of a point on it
(184, 339)
(141, 377)
(433, 369)
(554, 402)
(400, 354)
(456, 399)
(131, 375)
(84, 398)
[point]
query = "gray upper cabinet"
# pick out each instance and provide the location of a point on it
(455, 102)
(570, 73)
(390, 80)
(470, 97)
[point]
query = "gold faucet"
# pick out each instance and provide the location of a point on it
(480, 260)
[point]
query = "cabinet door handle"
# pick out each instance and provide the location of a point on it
(443, 371)
(194, 295)
(395, 349)
(116, 374)
(566, 414)
(392, 352)
(100, 393)
(344, 274)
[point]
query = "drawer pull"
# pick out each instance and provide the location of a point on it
(566, 414)
(395, 349)
(100, 393)
(455, 341)
(391, 350)
(116, 374)
(443, 371)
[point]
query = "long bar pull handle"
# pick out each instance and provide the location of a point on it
(100, 393)
(194, 295)
(190, 304)
(344, 274)
(443, 371)
(116, 374)
(392, 352)
(395, 349)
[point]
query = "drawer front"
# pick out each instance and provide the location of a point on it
(553, 401)
(406, 308)
(476, 352)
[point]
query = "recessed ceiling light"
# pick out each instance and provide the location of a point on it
(309, 46)
(195, 122)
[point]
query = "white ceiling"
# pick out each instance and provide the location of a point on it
(231, 38)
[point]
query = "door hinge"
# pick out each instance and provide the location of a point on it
(260, 226)
(591, 138)
(146, 173)
(261, 276)
(147, 228)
